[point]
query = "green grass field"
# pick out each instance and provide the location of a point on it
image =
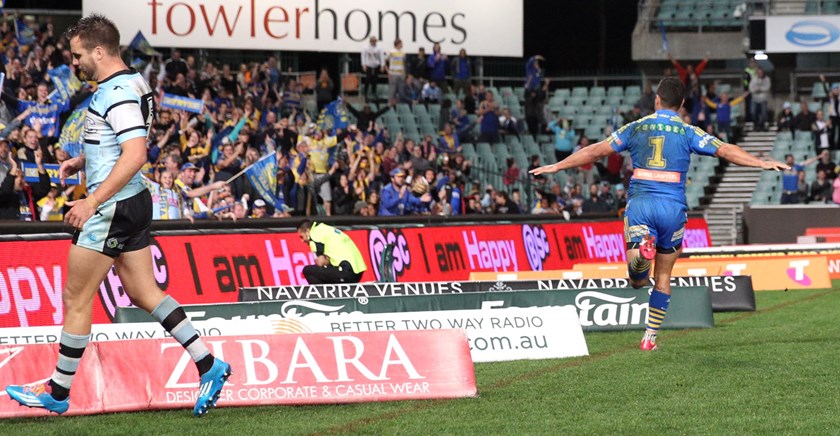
(773, 371)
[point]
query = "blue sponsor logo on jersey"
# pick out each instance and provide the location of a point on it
(812, 33)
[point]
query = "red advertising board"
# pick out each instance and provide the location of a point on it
(210, 268)
(315, 368)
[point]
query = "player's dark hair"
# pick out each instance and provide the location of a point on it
(304, 225)
(671, 92)
(96, 30)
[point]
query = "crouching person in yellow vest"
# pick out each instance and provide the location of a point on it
(337, 259)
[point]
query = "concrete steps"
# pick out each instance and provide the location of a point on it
(734, 189)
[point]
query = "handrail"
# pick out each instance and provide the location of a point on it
(795, 77)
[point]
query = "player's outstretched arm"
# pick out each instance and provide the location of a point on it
(586, 156)
(738, 156)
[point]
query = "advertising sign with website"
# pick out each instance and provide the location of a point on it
(291, 369)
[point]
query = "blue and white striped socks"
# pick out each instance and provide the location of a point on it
(172, 317)
(70, 350)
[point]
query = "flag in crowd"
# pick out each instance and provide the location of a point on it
(263, 175)
(664, 37)
(71, 134)
(66, 84)
(25, 34)
(179, 102)
(141, 44)
(333, 116)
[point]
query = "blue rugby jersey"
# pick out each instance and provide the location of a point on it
(660, 146)
(121, 109)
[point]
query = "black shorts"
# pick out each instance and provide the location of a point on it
(119, 226)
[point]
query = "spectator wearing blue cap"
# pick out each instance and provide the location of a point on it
(393, 194)
(185, 184)
(397, 198)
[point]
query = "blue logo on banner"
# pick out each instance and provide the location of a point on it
(812, 33)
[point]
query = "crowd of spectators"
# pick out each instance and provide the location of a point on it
(253, 110)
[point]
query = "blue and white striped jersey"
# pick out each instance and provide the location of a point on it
(122, 108)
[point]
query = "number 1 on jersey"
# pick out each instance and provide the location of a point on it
(657, 143)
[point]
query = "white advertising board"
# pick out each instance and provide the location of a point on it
(797, 34)
(494, 334)
(484, 28)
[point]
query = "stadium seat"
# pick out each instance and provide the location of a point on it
(563, 92)
(597, 91)
(350, 83)
(594, 133)
(559, 99)
(403, 108)
(632, 92)
(568, 111)
(424, 117)
(522, 160)
(519, 91)
(547, 152)
(784, 135)
(684, 18)
(600, 120)
(428, 129)
(607, 110)
(576, 101)
(555, 107)
(580, 91)
(407, 119)
(531, 146)
(583, 120)
(667, 14)
(613, 100)
(817, 91)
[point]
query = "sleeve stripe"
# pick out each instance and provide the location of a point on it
(129, 129)
(118, 104)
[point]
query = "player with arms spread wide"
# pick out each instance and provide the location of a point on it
(660, 145)
(112, 223)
